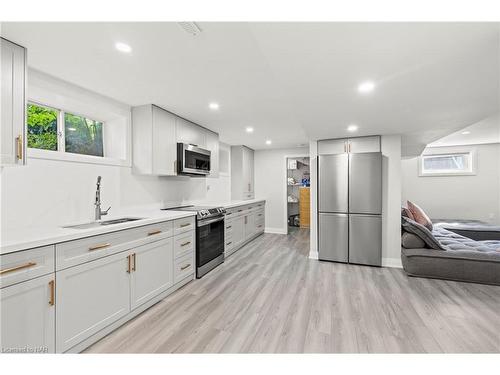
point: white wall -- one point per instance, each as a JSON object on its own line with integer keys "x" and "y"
{"x": 458, "y": 197}
{"x": 391, "y": 199}
{"x": 54, "y": 192}
{"x": 270, "y": 184}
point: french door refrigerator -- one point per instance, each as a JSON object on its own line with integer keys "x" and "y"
{"x": 350, "y": 208}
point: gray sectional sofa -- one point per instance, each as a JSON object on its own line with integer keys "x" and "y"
{"x": 446, "y": 254}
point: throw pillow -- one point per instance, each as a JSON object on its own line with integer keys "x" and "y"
{"x": 412, "y": 241}
{"x": 419, "y": 215}
{"x": 422, "y": 232}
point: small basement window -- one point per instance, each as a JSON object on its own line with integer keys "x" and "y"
{"x": 62, "y": 135}
{"x": 451, "y": 164}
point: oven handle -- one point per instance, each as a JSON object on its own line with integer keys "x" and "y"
{"x": 202, "y": 223}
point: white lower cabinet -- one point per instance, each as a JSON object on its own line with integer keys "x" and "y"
{"x": 28, "y": 316}
{"x": 242, "y": 225}
{"x": 250, "y": 225}
{"x": 151, "y": 271}
{"x": 90, "y": 297}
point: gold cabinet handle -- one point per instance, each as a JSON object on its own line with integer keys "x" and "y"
{"x": 229, "y": 243}
{"x": 17, "y": 268}
{"x": 186, "y": 266}
{"x": 19, "y": 147}
{"x": 133, "y": 263}
{"x": 185, "y": 243}
{"x": 229, "y": 227}
{"x": 129, "y": 263}
{"x": 154, "y": 232}
{"x": 101, "y": 246}
{"x": 52, "y": 288}
{"x": 185, "y": 225}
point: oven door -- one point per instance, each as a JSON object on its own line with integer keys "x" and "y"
{"x": 193, "y": 160}
{"x": 210, "y": 240}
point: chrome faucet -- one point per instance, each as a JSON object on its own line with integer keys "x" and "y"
{"x": 98, "y": 211}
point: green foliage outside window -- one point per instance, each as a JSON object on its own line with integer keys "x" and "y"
{"x": 42, "y": 127}
{"x": 83, "y": 135}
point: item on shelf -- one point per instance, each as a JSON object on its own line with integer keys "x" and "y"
{"x": 306, "y": 182}
{"x": 292, "y": 199}
{"x": 291, "y": 181}
{"x": 294, "y": 220}
{"x": 292, "y": 164}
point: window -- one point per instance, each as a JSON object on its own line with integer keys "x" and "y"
{"x": 42, "y": 127}
{"x": 55, "y": 130}
{"x": 460, "y": 163}
{"x": 83, "y": 135}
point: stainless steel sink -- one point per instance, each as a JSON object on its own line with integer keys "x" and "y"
{"x": 96, "y": 224}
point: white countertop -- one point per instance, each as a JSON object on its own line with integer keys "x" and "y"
{"x": 16, "y": 239}
{"x": 29, "y": 237}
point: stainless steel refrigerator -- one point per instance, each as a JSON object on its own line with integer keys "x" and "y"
{"x": 350, "y": 208}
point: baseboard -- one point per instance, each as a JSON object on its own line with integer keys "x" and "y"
{"x": 313, "y": 255}
{"x": 392, "y": 262}
{"x": 276, "y": 230}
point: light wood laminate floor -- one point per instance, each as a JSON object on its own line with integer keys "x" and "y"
{"x": 270, "y": 298}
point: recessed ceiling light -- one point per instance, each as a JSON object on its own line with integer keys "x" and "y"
{"x": 123, "y": 47}
{"x": 466, "y": 132}
{"x": 213, "y": 106}
{"x": 249, "y": 129}
{"x": 366, "y": 87}
{"x": 268, "y": 142}
{"x": 352, "y": 128}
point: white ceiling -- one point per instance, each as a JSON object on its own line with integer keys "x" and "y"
{"x": 482, "y": 132}
{"x": 290, "y": 81}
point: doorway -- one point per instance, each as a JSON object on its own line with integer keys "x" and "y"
{"x": 298, "y": 194}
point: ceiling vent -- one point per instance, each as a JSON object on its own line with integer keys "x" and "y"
{"x": 190, "y": 27}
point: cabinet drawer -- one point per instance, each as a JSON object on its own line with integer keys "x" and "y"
{"x": 184, "y": 244}
{"x": 183, "y": 225}
{"x": 26, "y": 265}
{"x": 76, "y": 252}
{"x": 183, "y": 267}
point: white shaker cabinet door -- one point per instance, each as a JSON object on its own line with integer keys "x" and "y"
{"x": 152, "y": 271}
{"x": 90, "y": 297}
{"x": 164, "y": 144}
{"x": 190, "y": 133}
{"x": 13, "y": 103}
{"x": 28, "y": 316}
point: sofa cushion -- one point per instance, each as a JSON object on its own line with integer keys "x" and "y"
{"x": 411, "y": 241}
{"x": 419, "y": 215}
{"x": 422, "y": 232}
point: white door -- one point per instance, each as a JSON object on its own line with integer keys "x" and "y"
{"x": 13, "y": 104}
{"x": 164, "y": 144}
{"x": 212, "y": 143}
{"x": 187, "y": 132}
{"x": 152, "y": 271}
{"x": 28, "y": 315}
{"x": 90, "y": 297}
{"x": 250, "y": 228}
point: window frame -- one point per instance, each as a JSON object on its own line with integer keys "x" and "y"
{"x": 470, "y": 171}
{"x": 60, "y": 153}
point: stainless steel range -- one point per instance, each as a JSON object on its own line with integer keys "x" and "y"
{"x": 209, "y": 236}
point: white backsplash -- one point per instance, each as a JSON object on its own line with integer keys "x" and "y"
{"x": 47, "y": 192}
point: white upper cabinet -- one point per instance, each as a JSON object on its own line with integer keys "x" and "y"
{"x": 154, "y": 141}
{"x": 188, "y": 132}
{"x": 351, "y": 145}
{"x": 242, "y": 172}
{"x": 212, "y": 144}
{"x": 332, "y": 146}
{"x": 13, "y": 104}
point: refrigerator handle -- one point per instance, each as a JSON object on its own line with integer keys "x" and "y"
{"x": 345, "y": 146}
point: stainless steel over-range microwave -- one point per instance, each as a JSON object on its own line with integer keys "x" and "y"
{"x": 192, "y": 160}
